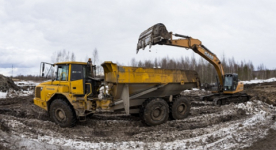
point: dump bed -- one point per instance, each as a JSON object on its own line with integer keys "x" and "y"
{"x": 140, "y": 79}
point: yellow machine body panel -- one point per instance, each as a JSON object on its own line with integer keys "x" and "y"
{"x": 77, "y": 87}
{"x": 125, "y": 74}
{"x": 44, "y": 93}
{"x": 71, "y": 62}
{"x": 37, "y": 99}
{"x": 239, "y": 88}
{"x": 140, "y": 79}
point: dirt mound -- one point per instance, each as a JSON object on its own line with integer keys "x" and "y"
{"x": 6, "y": 83}
{"x": 265, "y": 92}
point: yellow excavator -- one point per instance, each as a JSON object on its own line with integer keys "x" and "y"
{"x": 228, "y": 89}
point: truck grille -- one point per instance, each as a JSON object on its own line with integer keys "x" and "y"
{"x": 37, "y": 92}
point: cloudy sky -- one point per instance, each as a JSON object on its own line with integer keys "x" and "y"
{"x": 32, "y": 31}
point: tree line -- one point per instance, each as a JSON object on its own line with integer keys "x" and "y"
{"x": 206, "y": 71}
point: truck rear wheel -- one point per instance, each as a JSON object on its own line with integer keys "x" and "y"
{"x": 180, "y": 108}
{"x": 62, "y": 113}
{"x": 154, "y": 112}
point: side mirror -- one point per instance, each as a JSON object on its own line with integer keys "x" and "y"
{"x": 43, "y": 67}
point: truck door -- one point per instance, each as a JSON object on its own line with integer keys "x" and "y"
{"x": 61, "y": 81}
{"x": 77, "y": 79}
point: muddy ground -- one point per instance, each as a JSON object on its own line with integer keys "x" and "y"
{"x": 249, "y": 125}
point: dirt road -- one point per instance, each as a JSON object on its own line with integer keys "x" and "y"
{"x": 25, "y": 126}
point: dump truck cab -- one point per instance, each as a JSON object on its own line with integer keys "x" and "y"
{"x": 78, "y": 76}
{"x": 70, "y": 79}
{"x": 73, "y": 79}
{"x": 72, "y": 82}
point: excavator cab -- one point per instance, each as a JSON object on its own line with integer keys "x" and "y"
{"x": 230, "y": 82}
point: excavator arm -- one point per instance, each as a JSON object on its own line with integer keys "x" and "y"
{"x": 158, "y": 34}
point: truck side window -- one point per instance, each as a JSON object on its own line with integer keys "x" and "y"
{"x": 62, "y": 72}
{"x": 77, "y": 72}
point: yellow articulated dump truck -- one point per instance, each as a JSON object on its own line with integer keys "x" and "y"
{"x": 75, "y": 92}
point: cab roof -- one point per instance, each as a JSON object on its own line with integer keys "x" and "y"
{"x": 71, "y": 62}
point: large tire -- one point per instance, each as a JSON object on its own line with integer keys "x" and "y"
{"x": 62, "y": 113}
{"x": 180, "y": 108}
{"x": 154, "y": 112}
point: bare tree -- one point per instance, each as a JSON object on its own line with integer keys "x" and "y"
{"x": 95, "y": 56}
{"x": 140, "y": 64}
{"x": 62, "y": 56}
{"x": 73, "y": 57}
{"x": 133, "y": 62}
{"x": 148, "y": 64}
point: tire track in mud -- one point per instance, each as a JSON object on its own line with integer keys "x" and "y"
{"x": 109, "y": 127}
{"x": 205, "y": 122}
{"x": 22, "y": 107}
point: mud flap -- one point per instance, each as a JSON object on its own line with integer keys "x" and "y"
{"x": 125, "y": 98}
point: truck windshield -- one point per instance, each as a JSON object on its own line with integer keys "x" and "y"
{"x": 62, "y": 72}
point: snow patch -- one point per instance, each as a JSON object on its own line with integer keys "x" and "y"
{"x": 259, "y": 81}
{"x": 3, "y": 94}
{"x": 13, "y": 93}
{"x": 26, "y": 83}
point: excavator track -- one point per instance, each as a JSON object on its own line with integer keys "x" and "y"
{"x": 222, "y": 99}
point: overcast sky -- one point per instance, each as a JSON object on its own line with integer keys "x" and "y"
{"x": 31, "y": 31}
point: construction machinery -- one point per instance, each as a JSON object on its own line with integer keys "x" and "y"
{"x": 228, "y": 89}
{"x": 75, "y": 92}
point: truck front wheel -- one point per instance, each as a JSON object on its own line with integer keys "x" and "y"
{"x": 62, "y": 113}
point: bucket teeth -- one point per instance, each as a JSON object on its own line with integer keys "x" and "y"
{"x": 151, "y": 36}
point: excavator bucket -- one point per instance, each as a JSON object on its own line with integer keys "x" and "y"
{"x": 153, "y": 35}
